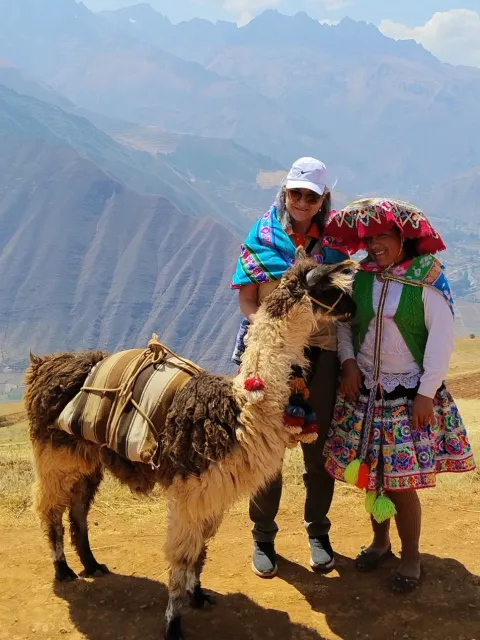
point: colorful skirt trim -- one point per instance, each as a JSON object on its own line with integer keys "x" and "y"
{"x": 399, "y": 456}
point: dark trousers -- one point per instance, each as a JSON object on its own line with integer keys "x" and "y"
{"x": 319, "y": 484}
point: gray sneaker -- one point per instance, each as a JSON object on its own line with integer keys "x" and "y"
{"x": 321, "y": 558}
{"x": 264, "y": 560}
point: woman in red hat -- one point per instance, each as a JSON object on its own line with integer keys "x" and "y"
{"x": 395, "y": 424}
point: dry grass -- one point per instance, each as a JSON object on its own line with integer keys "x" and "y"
{"x": 11, "y": 414}
{"x": 16, "y": 478}
{"x": 16, "y": 474}
{"x": 466, "y": 357}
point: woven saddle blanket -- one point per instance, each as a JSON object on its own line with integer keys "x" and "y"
{"x": 125, "y": 399}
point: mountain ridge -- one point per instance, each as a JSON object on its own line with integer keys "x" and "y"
{"x": 98, "y": 276}
{"x": 136, "y": 168}
{"x": 128, "y": 220}
{"x": 331, "y": 91}
{"x": 298, "y": 29}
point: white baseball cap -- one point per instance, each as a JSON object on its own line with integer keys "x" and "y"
{"x": 307, "y": 173}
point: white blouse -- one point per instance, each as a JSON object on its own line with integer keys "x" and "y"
{"x": 397, "y": 365}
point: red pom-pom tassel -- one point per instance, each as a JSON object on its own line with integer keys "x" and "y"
{"x": 254, "y": 384}
{"x": 293, "y": 421}
{"x": 310, "y": 428}
{"x": 363, "y": 475}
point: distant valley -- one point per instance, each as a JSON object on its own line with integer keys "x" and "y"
{"x": 135, "y": 154}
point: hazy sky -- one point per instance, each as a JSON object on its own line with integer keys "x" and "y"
{"x": 448, "y": 28}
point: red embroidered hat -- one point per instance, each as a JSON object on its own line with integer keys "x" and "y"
{"x": 366, "y": 218}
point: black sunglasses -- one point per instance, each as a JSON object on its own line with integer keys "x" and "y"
{"x": 310, "y": 197}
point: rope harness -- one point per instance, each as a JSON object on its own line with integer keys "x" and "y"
{"x": 329, "y": 308}
{"x": 155, "y": 354}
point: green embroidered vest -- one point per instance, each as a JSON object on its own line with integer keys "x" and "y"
{"x": 409, "y": 317}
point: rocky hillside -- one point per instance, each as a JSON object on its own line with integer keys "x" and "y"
{"x": 87, "y": 260}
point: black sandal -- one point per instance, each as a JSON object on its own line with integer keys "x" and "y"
{"x": 368, "y": 561}
{"x": 403, "y": 584}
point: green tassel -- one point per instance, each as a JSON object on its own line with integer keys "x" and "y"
{"x": 370, "y": 500}
{"x": 383, "y": 509}
{"x": 351, "y": 472}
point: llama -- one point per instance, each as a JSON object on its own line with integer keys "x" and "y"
{"x": 223, "y": 438}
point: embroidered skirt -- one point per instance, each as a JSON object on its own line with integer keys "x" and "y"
{"x": 399, "y": 456}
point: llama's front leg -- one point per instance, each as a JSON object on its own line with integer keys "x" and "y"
{"x": 177, "y": 587}
{"x": 185, "y": 581}
{"x": 198, "y": 597}
{"x": 185, "y": 551}
{"x": 82, "y": 497}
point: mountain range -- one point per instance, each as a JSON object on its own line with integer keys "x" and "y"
{"x": 280, "y": 86}
{"x": 86, "y": 262}
{"x": 136, "y": 153}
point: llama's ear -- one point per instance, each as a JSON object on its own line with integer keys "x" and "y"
{"x": 341, "y": 276}
{"x": 316, "y": 275}
{"x": 338, "y": 275}
{"x": 300, "y": 254}
{"x": 35, "y": 359}
{"x": 346, "y": 265}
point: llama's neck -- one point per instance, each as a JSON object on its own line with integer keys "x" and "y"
{"x": 273, "y": 346}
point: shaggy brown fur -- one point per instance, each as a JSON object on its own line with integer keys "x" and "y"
{"x": 60, "y": 376}
{"x": 219, "y": 441}
{"x": 200, "y": 428}
{"x": 140, "y": 478}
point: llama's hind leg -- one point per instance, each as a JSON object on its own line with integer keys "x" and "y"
{"x": 53, "y": 526}
{"x": 50, "y": 503}
{"x": 59, "y": 466}
{"x": 82, "y": 496}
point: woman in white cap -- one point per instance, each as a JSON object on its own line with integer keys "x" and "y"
{"x": 297, "y": 218}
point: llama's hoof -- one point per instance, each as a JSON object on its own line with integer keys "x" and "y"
{"x": 200, "y": 599}
{"x": 96, "y": 571}
{"x": 63, "y": 573}
{"x": 173, "y": 630}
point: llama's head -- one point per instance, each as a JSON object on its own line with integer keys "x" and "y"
{"x": 324, "y": 290}
{"x": 286, "y": 319}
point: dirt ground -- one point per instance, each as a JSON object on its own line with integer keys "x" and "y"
{"x": 465, "y": 385}
{"x": 128, "y": 535}
{"x": 297, "y": 604}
